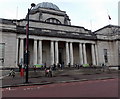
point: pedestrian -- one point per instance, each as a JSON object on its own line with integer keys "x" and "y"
{"x": 34, "y": 67}
{"x": 69, "y": 65}
{"x": 12, "y": 73}
{"x": 48, "y": 72}
{"x": 78, "y": 66}
{"x": 103, "y": 67}
{"x": 22, "y": 72}
{"x": 54, "y": 66}
{"x": 62, "y": 65}
{"x": 44, "y": 65}
{"x": 20, "y": 66}
{"x": 59, "y": 65}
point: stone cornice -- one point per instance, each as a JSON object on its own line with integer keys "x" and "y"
{"x": 55, "y": 33}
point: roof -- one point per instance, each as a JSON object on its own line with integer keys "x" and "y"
{"x": 6, "y": 21}
{"x": 108, "y": 26}
{"x": 47, "y": 5}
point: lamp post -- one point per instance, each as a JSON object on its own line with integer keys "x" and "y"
{"x": 26, "y": 58}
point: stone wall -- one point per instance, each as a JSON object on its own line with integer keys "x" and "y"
{"x": 111, "y": 52}
{"x": 10, "y": 49}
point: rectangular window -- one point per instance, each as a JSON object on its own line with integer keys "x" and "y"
{"x": 105, "y": 56}
{"x": 2, "y": 51}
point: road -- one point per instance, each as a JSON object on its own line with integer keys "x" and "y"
{"x": 93, "y": 88}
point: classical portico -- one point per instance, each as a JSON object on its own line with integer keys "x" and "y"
{"x": 74, "y": 52}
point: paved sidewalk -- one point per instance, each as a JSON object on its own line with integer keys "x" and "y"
{"x": 66, "y": 75}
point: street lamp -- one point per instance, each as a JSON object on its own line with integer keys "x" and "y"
{"x": 27, "y": 43}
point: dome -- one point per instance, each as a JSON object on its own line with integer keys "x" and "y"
{"x": 46, "y": 5}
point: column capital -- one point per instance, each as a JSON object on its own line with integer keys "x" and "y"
{"x": 56, "y": 41}
{"x": 51, "y": 40}
{"x": 80, "y": 43}
{"x": 36, "y": 39}
{"x": 84, "y": 44}
{"x": 92, "y": 44}
{"x": 22, "y": 38}
{"x": 71, "y": 42}
{"x": 67, "y": 42}
{"x": 40, "y": 39}
{"x": 17, "y": 38}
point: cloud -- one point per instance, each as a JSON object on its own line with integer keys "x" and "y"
{"x": 81, "y": 12}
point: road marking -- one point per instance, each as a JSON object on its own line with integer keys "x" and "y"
{"x": 39, "y": 87}
{"x": 13, "y": 89}
{"x": 28, "y": 88}
{"x": 24, "y": 89}
{"x": 8, "y": 89}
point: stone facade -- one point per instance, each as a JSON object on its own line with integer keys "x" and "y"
{"x": 54, "y": 40}
{"x": 108, "y": 38}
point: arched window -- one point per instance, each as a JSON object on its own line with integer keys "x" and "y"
{"x": 53, "y": 20}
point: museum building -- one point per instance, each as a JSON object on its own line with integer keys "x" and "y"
{"x": 53, "y": 40}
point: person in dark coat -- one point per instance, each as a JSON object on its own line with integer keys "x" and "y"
{"x": 20, "y": 66}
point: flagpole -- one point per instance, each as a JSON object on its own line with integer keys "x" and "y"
{"x": 17, "y": 13}
{"x": 91, "y": 24}
{"x": 109, "y": 18}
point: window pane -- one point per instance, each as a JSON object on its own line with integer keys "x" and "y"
{"x": 105, "y": 56}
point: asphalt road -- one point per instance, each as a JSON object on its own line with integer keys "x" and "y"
{"x": 93, "y": 88}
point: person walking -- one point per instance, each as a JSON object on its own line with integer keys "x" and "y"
{"x": 103, "y": 67}
{"x": 12, "y": 73}
{"x": 62, "y": 65}
{"x": 19, "y": 66}
{"x": 69, "y": 65}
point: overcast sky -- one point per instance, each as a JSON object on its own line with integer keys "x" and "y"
{"x": 91, "y": 14}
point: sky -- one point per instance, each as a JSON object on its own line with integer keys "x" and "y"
{"x": 91, "y": 14}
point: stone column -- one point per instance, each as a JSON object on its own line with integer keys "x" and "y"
{"x": 67, "y": 54}
{"x": 52, "y": 52}
{"x": 96, "y": 51}
{"x": 71, "y": 53}
{"x": 35, "y": 52}
{"x": 81, "y": 53}
{"x": 56, "y": 53}
{"x": 84, "y": 53}
{"x": 40, "y": 51}
{"x": 93, "y": 54}
{"x": 21, "y": 53}
{"x": 17, "y": 41}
